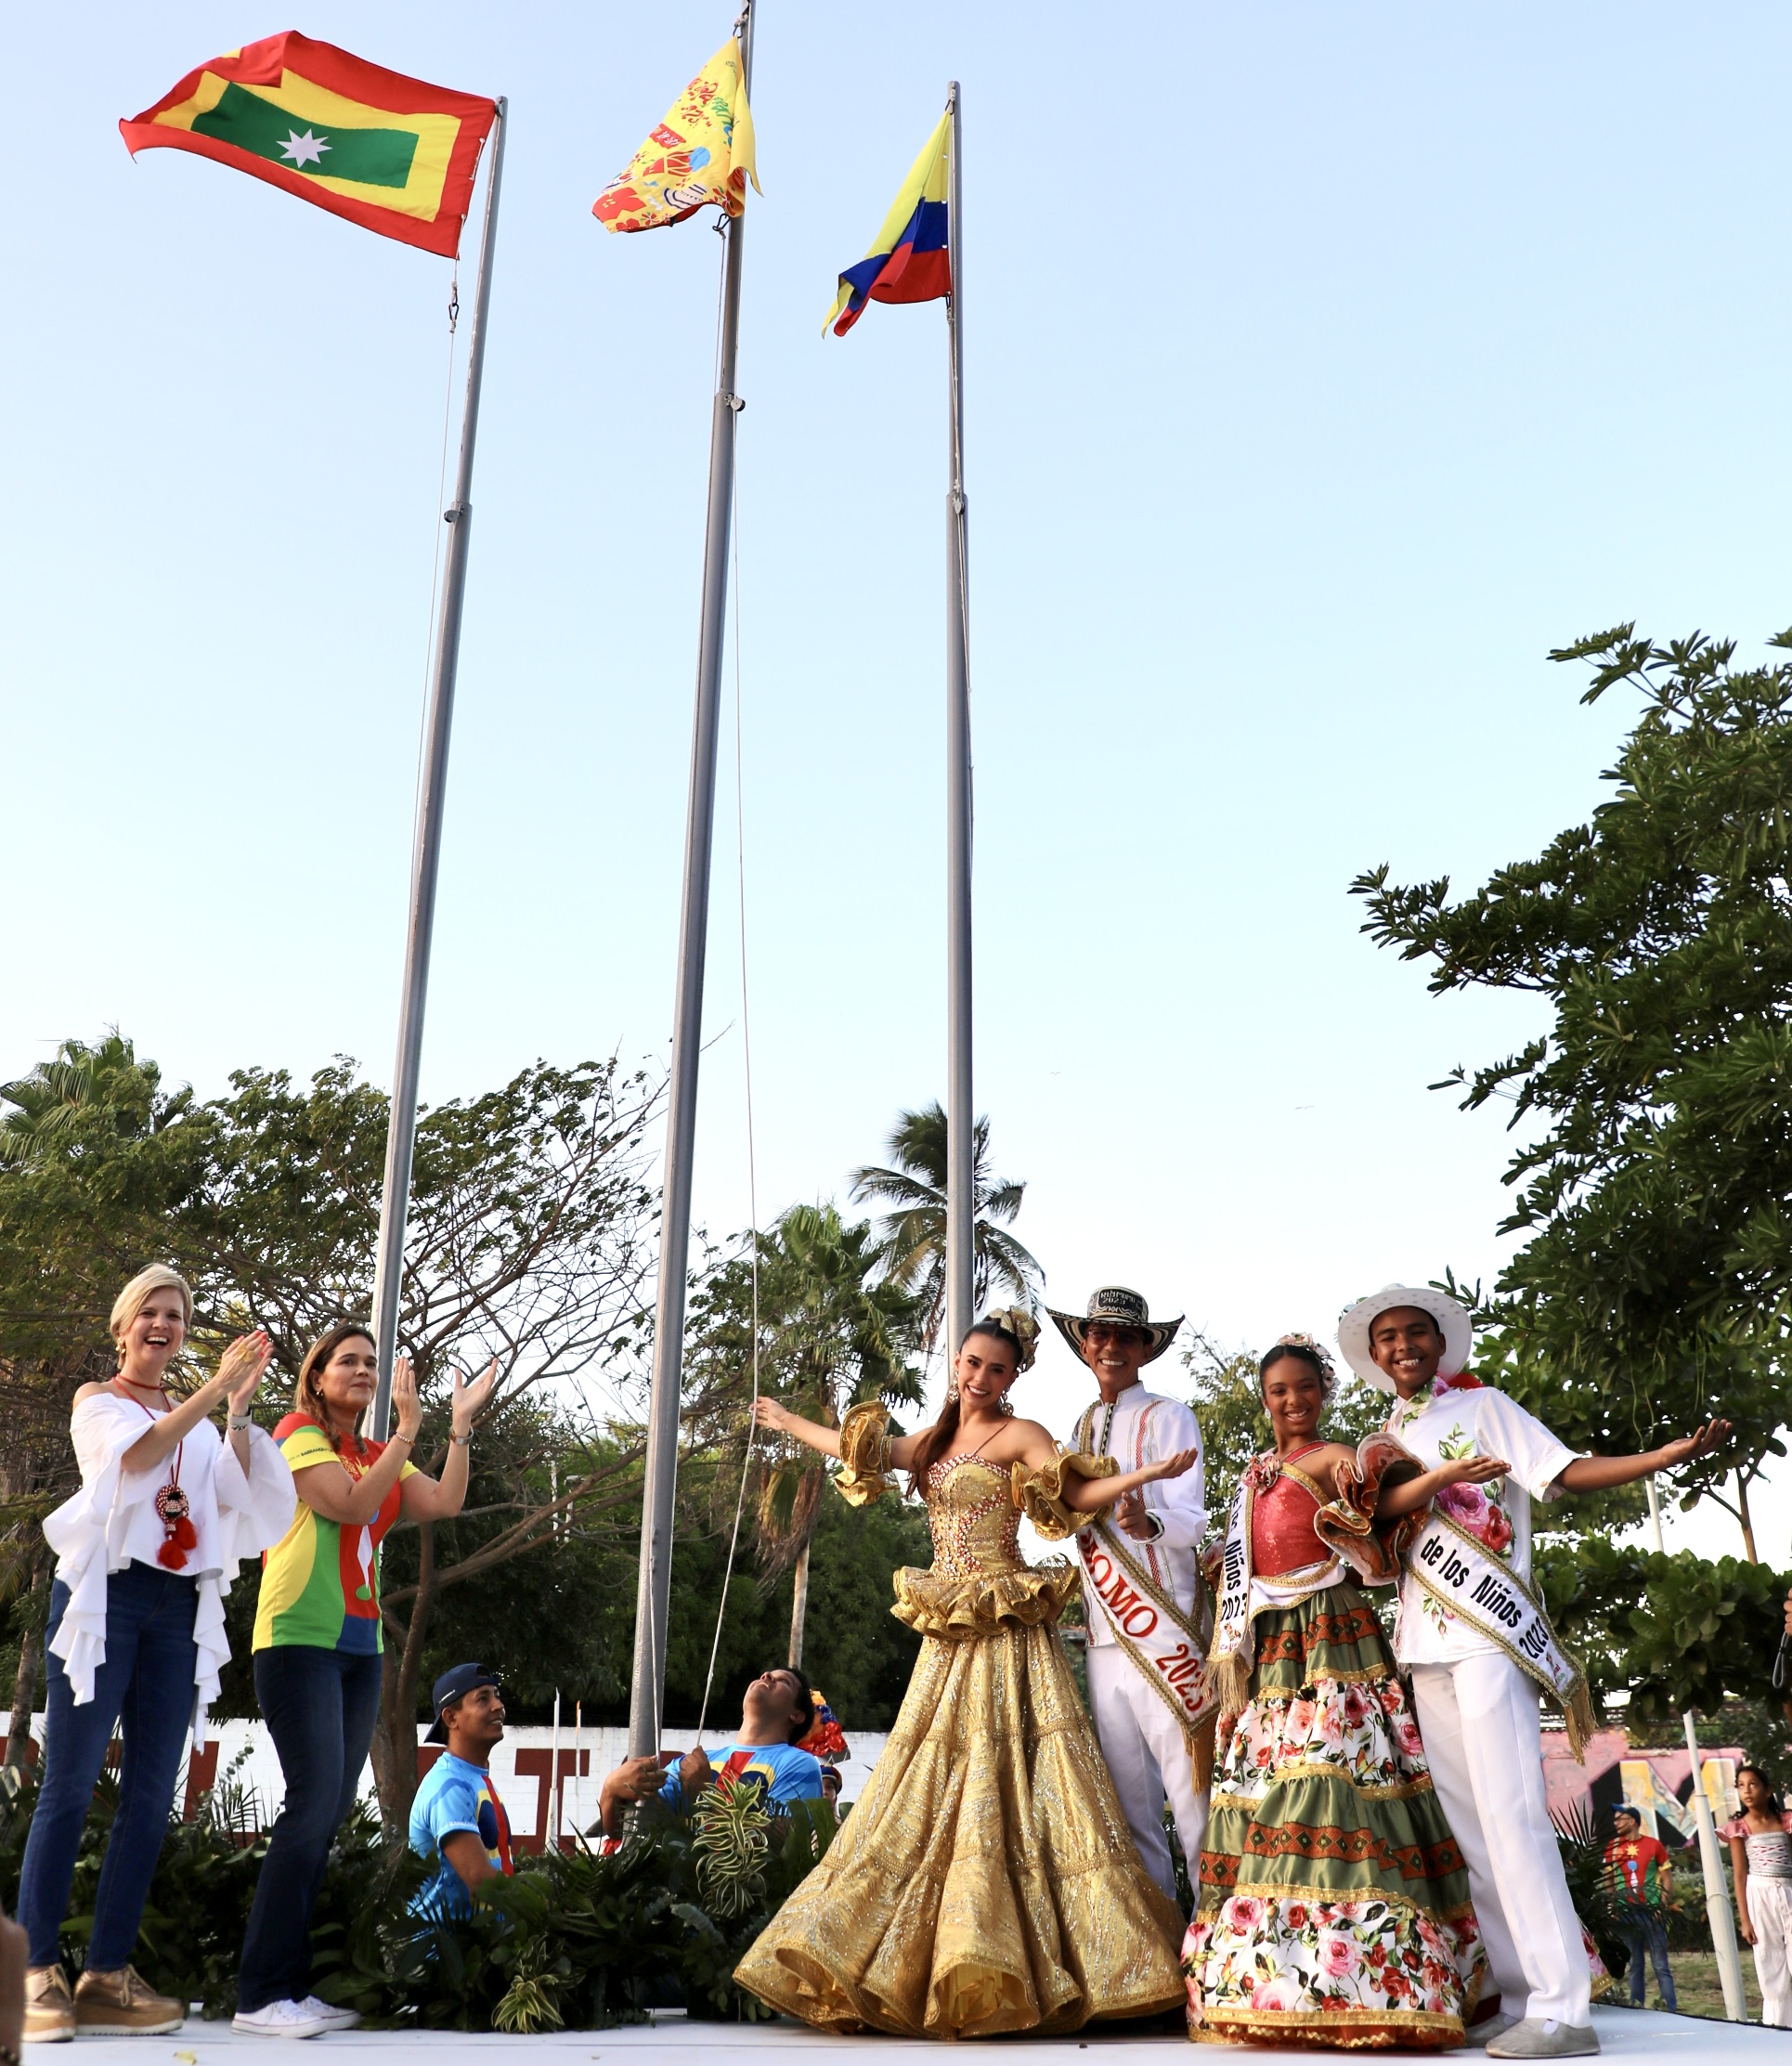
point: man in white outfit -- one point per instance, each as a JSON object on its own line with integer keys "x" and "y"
{"x": 1480, "y": 1649}
{"x": 1141, "y": 1580}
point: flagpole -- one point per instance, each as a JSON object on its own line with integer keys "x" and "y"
{"x": 961, "y": 1204}
{"x": 426, "y": 844}
{"x": 652, "y": 1598}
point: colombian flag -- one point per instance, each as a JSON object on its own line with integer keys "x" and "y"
{"x": 385, "y": 151}
{"x": 908, "y": 261}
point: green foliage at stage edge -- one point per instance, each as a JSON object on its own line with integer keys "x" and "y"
{"x": 573, "y": 1941}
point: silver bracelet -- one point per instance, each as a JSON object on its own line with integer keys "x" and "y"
{"x": 461, "y": 1439}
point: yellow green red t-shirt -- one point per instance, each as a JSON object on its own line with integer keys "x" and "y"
{"x": 321, "y": 1581}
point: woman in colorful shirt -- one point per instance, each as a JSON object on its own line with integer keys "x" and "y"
{"x": 986, "y": 1881}
{"x": 1760, "y": 1852}
{"x": 146, "y": 1550}
{"x": 1333, "y": 1906}
{"x": 318, "y": 1642}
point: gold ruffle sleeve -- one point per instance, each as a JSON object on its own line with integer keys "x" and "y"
{"x": 960, "y": 1609}
{"x": 863, "y": 1475}
{"x": 1348, "y": 1526}
{"x": 1040, "y": 1494}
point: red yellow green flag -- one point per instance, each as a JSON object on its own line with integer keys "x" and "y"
{"x": 702, "y": 152}
{"x": 388, "y": 152}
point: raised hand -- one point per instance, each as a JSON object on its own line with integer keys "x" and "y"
{"x": 1132, "y": 1517}
{"x": 768, "y": 1412}
{"x": 240, "y": 1368}
{"x": 1690, "y": 1447}
{"x": 405, "y": 1401}
{"x": 470, "y": 1400}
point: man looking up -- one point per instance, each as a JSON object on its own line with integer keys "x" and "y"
{"x": 776, "y": 1712}
{"x": 1140, "y": 1586}
{"x": 457, "y": 1821}
{"x": 1480, "y": 1647}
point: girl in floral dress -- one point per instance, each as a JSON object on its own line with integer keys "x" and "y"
{"x": 1333, "y": 1905}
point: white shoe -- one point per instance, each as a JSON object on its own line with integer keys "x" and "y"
{"x": 281, "y": 2019}
{"x": 1479, "y": 2035}
{"x": 1543, "y": 2038}
{"x": 333, "y": 2013}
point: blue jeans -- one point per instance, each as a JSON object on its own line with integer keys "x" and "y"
{"x": 320, "y": 1706}
{"x": 1645, "y": 1935}
{"x": 146, "y": 1683}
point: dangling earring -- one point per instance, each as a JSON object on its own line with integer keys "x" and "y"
{"x": 1004, "y": 1406}
{"x": 952, "y": 1389}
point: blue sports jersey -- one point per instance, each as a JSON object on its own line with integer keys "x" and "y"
{"x": 786, "y": 1773}
{"x": 455, "y": 1795}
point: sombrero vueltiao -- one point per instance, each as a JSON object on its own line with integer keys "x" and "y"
{"x": 1118, "y": 1308}
{"x": 1451, "y": 1315}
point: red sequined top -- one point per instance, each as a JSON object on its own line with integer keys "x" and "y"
{"x": 1281, "y": 1523}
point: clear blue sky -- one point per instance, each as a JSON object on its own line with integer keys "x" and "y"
{"x": 1325, "y": 367}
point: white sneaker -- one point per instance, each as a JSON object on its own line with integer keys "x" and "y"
{"x": 281, "y": 2019}
{"x": 333, "y": 2013}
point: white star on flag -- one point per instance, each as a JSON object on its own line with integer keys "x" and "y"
{"x": 306, "y": 150}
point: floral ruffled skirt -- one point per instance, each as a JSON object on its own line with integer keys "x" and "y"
{"x": 1334, "y": 1905}
{"x": 985, "y": 1880}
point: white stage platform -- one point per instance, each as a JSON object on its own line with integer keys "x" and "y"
{"x": 671, "y": 2041}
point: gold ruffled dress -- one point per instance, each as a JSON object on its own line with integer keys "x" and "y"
{"x": 985, "y": 1880}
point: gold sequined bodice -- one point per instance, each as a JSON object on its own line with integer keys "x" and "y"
{"x": 971, "y": 1512}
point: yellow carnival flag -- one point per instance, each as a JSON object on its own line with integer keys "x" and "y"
{"x": 702, "y": 152}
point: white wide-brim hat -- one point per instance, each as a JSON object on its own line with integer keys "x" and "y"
{"x": 1451, "y": 1313}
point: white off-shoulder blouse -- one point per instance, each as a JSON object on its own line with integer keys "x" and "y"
{"x": 112, "y": 1522}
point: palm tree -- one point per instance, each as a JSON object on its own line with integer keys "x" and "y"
{"x": 915, "y": 1234}
{"x": 838, "y": 1332}
{"x": 49, "y": 1104}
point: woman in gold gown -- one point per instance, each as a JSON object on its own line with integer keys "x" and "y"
{"x": 985, "y": 1880}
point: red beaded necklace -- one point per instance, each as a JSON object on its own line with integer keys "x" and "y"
{"x": 174, "y": 1508}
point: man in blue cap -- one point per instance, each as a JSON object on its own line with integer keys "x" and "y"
{"x": 458, "y": 1824}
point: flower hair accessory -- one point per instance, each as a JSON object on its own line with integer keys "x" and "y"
{"x": 1312, "y": 1347}
{"x": 1018, "y": 1321}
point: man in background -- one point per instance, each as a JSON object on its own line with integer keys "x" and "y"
{"x": 458, "y": 1824}
{"x": 776, "y": 1713}
{"x": 1640, "y": 1876}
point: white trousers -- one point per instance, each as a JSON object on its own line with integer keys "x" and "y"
{"x": 1484, "y": 1739}
{"x": 1147, "y": 1757}
{"x": 1769, "y": 1913}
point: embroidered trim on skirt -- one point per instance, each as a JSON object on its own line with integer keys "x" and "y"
{"x": 1334, "y": 1905}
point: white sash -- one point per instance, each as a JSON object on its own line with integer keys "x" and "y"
{"x": 1484, "y": 1590}
{"x": 1162, "y": 1642}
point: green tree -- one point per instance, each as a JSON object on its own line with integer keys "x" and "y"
{"x": 831, "y": 1330}
{"x": 1654, "y": 1185}
{"x": 915, "y": 1232}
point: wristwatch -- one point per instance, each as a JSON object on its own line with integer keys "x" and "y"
{"x": 461, "y": 1439}
{"x": 238, "y": 1421}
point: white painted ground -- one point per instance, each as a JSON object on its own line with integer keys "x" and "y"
{"x": 671, "y": 2041}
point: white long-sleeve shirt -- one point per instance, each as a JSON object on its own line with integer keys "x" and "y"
{"x": 1145, "y": 1428}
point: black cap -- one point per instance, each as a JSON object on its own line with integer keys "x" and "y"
{"x": 455, "y": 1686}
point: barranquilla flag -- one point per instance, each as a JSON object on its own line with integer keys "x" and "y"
{"x": 388, "y": 152}
{"x": 909, "y": 258}
{"x": 701, "y": 153}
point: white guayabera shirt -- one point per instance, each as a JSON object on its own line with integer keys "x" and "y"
{"x": 1455, "y": 1420}
{"x": 1147, "y": 1427}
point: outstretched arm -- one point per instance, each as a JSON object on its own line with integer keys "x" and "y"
{"x": 1412, "y": 1493}
{"x": 825, "y": 1441}
{"x": 1090, "y": 1495}
{"x": 1593, "y": 1473}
